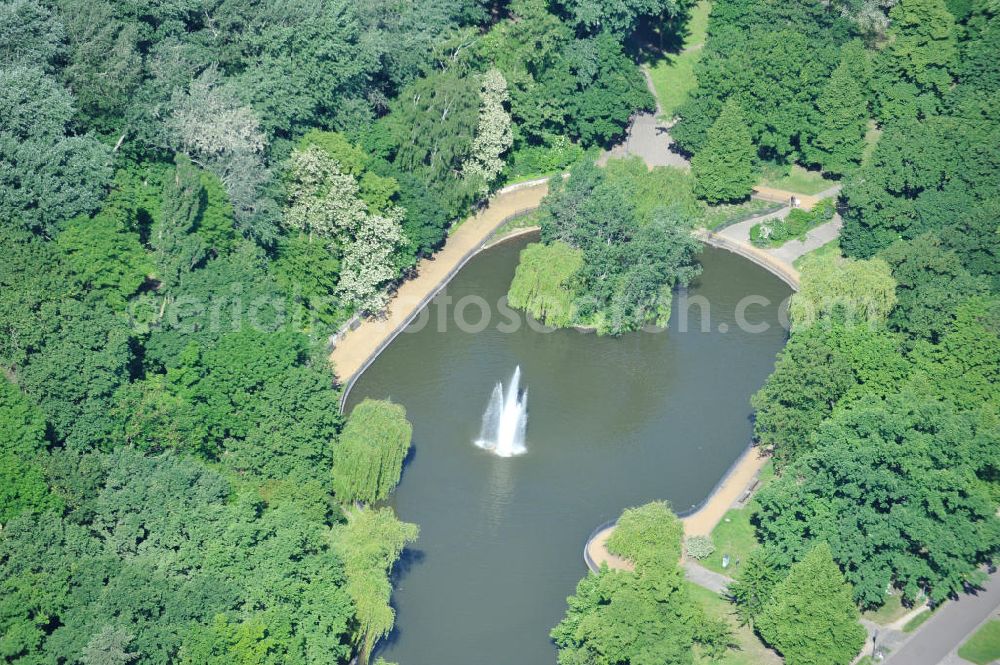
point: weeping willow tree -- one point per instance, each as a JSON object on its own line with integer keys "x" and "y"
{"x": 542, "y": 284}
{"x": 368, "y": 460}
{"x": 369, "y": 543}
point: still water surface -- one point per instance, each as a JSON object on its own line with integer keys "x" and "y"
{"x": 613, "y": 422}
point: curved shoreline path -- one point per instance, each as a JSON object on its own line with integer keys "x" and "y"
{"x": 355, "y": 350}
{"x": 730, "y": 491}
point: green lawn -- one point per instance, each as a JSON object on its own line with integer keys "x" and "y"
{"x": 984, "y": 646}
{"x": 698, "y": 24}
{"x": 917, "y": 621}
{"x": 673, "y": 75}
{"x": 871, "y": 139}
{"x": 751, "y": 650}
{"x": 889, "y": 612}
{"x": 532, "y": 218}
{"x": 832, "y": 247}
{"x": 794, "y": 178}
{"x": 718, "y": 217}
{"x": 734, "y": 534}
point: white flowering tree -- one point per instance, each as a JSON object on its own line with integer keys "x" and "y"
{"x": 325, "y": 203}
{"x": 493, "y": 135}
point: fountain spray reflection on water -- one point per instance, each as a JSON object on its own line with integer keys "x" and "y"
{"x": 505, "y": 420}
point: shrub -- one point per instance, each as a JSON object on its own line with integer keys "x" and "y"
{"x": 775, "y": 232}
{"x": 699, "y": 547}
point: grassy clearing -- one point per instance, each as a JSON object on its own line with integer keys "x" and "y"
{"x": 751, "y": 650}
{"x": 832, "y": 247}
{"x": 673, "y": 80}
{"x": 734, "y": 534}
{"x": 917, "y": 621}
{"x": 794, "y": 178}
{"x": 871, "y": 139}
{"x": 718, "y": 217}
{"x": 889, "y": 612}
{"x": 673, "y": 75}
{"x": 698, "y": 25}
{"x": 984, "y": 646}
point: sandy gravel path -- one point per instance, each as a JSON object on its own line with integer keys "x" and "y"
{"x": 352, "y": 354}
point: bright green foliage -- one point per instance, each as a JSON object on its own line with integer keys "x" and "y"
{"x": 930, "y": 285}
{"x": 644, "y": 616}
{"x": 32, "y": 282}
{"x": 820, "y": 367}
{"x": 215, "y": 225}
{"x": 309, "y": 272}
{"x": 751, "y": 593}
{"x": 224, "y": 295}
{"x": 257, "y": 403}
{"x": 150, "y": 556}
{"x": 798, "y": 222}
{"x": 370, "y": 544}
{"x": 842, "y": 109}
{"x": 543, "y": 282}
{"x": 774, "y": 59}
{"x": 83, "y": 359}
{"x": 812, "y": 619}
{"x": 900, "y": 491}
{"x": 103, "y": 257}
{"x": 177, "y": 250}
{"x": 630, "y": 263}
{"x": 723, "y": 167}
{"x": 368, "y": 459}
{"x": 916, "y": 63}
{"x": 649, "y": 535}
{"x": 23, "y": 487}
{"x": 652, "y": 189}
{"x": 223, "y": 643}
{"x": 856, "y": 292}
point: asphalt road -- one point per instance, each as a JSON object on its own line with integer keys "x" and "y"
{"x": 949, "y": 627}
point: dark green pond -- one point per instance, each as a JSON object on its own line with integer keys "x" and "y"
{"x": 613, "y": 422}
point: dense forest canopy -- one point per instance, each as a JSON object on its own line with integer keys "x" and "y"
{"x": 195, "y": 194}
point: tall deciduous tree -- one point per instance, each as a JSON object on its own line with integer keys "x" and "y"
{"x": 46, "y": 175}
{"x": 177, "y": 250}
{"x": 900, "y": 489}
{"x": 724, "y": 167}
{"x": 493, "y": 135}
{"x": 917, "y": 63}
{"x": 368, "y": 458}
{"x": 812, "y": 619}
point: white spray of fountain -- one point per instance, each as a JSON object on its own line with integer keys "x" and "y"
{"x": 505, "y": 419}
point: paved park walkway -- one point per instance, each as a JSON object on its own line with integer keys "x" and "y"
{"x": 936, "y": 640}
{"x": 647, "y": 137}
{"x": 360, "y": 345}
{"x": 740, "y": 477}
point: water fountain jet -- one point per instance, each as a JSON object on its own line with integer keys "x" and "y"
{"x": 505, "y": 419}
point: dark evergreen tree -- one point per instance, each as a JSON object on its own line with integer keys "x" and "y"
{"x": 724, "y": 167}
